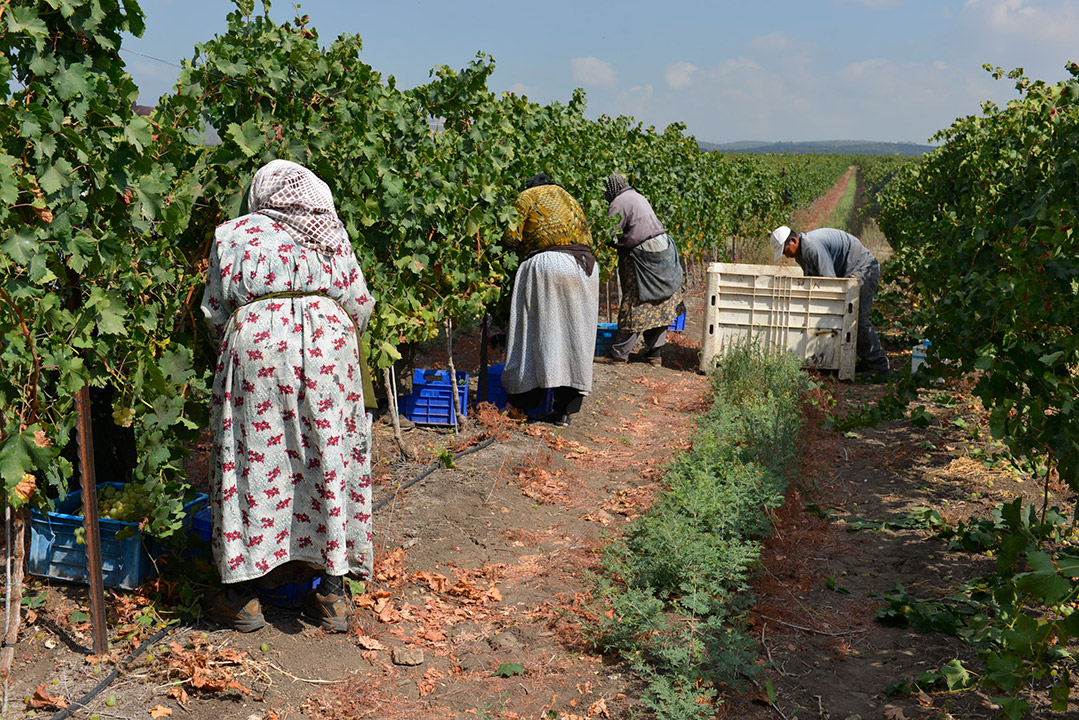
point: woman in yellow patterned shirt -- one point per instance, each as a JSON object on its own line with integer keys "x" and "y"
{"x": 555, "y": 302}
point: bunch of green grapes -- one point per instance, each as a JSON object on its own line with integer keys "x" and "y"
{"x": 126, "y": 505}
{"x": 123, "y": 416}
{"x": 129, "y": 504}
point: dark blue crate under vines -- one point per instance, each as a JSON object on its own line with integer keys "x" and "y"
{"x": 431, "y": 399}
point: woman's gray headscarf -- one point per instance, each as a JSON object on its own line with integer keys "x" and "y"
{"x": 615, "y": 185}
{"x": 298, "y": 199}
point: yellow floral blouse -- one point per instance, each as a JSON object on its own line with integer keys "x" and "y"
{"x": 549, "y": 216}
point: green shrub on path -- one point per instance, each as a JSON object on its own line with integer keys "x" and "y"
{"x": 673, "y": 588}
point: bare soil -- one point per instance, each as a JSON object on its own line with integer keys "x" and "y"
{"x": 486, "y": 564}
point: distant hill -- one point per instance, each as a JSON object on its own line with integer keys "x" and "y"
{"x": 820, "y": 147}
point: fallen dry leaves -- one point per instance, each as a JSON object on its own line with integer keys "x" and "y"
{"x": 634, "y": 501}
{"x": 369, "y": 643}
{"x": 429, "y": 680}
{"x": 204, "y": 669}
{"x": 179, "y": 695}
{"x": 596, "y": 709}
{"x": 42, "y": 700}
{"x": 390, "y": 566}
{"x": 543, "y": 486}
{"x": 435, "y": 581}
{"x": 602, "y": 518}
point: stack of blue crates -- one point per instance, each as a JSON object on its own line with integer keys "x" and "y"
{"x": 679, "y": 323}
{"x": 431, "y": 399}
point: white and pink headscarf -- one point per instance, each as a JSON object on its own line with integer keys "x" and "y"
{"x": 294, "y": 196}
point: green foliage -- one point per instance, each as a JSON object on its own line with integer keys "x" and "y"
{"x": 93, "y": 280}
{"x": 669, "y": 598}
{"x": 986, "y": 234}
{"x": 878, "y": 172}
{"x": 891, "y": 406}
{"x": 506, "y": 670}
{"x": 918, "y": 518}
{"x": 1020, "y": 620}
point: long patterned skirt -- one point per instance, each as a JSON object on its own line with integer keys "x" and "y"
{"x": 552, "y": 333}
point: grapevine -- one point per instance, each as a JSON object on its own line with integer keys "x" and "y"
{"x": 986, "y": 235}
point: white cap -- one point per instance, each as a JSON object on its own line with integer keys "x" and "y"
{"x": 779, "y": 239}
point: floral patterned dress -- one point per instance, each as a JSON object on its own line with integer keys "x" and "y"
{"x": 636, "y": 315}
{"x": 292, "y": 472}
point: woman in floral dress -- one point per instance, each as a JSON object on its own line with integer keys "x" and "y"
{"x": 286, "y": 300}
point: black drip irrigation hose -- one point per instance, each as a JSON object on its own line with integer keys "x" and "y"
{"x": 81, "y": 702}
{"x": 100, "y": 687}
{"x": 430, "y": 469}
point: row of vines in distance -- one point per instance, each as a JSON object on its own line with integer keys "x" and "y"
{"x": 106, "y": 216}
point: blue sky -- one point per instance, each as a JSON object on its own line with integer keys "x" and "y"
{"x": 773, "y": 70}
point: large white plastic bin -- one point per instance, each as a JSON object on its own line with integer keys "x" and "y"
{"x": 815, "y": 318}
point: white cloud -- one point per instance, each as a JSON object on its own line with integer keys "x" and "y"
{"x": 741, "y": 92}
{"x": 756, "y": 88}
{"x": 523, "y": 90}
{"x": 909, "y": 90}
{"x": 773, "y": 43}
{"x": 1053, "y": 21}
{"x": 871, "y": 3}
{"x": 799, "y": 96}
{"x": 868, "y": 70}
{"x": 680, "y": 75}
{"x": 636, "y": 101}
{"x": 593, "y": 71}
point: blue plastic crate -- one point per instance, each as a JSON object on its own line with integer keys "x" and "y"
{"x": 286, "y": 595}
{"x": 203, "y": 524}
{"x": 679, "y": 323}
{"x": 497, "y": 396}
{"x": 605, "y": 338}
{"x": 125, "y": 562}
{"x": 431, "y": 399}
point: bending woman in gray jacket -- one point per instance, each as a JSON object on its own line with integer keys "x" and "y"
{"x": 650, "y": 273}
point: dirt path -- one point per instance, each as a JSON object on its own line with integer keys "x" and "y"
{"x": 818, "y": 213}
{"x": 484, "y": 566}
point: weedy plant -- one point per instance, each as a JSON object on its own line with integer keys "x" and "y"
{"x": 670, "y": 597}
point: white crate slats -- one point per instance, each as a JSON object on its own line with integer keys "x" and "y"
{"x": 816, "y": 318}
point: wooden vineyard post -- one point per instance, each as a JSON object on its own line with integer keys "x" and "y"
{"x": 89, "y": 513}
{"x": 391, "y": 392}
{"x": 17, "y": 552}
{"x": 458, "y": 417}
{"x": 481, "y": 381}
{"x": 607, "y": 288}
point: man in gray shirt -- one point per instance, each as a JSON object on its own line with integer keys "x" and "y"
{"x": 828, "y": 252}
